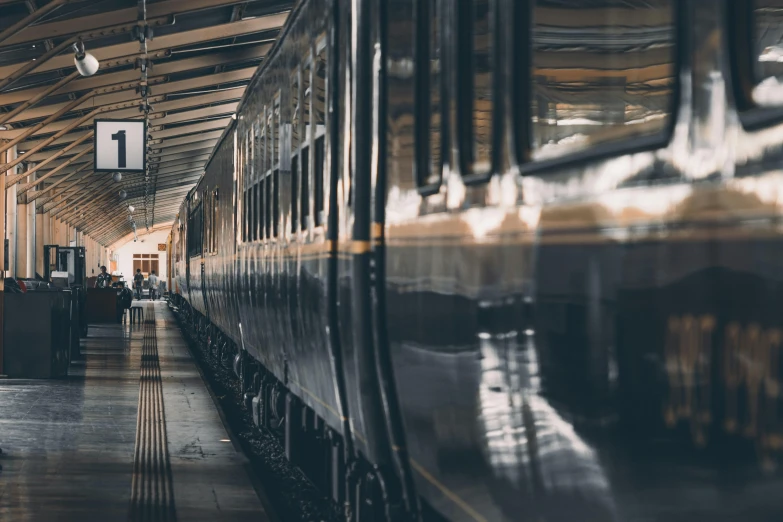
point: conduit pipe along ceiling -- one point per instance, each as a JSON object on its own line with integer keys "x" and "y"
{"x": 182, "y": 65}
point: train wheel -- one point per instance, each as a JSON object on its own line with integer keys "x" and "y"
{"x": 370, "y": 504}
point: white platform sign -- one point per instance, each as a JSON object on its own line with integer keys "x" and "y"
{"x": 120, "y": 145}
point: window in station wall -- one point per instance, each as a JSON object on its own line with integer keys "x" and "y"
{"x": 147, "y": 263}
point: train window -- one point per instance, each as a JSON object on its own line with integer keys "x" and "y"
{"x": 207, "y": 223}
{"x": 429, "y": 107}
{"x": 767, "y": 52}
{"x": 295, "y": 131}
{"x": 319, "y": 115}
{"x": 252, "y": 232}
{"x": 294, "y": 193}
{"x": 276, "y": 124}
{"x": 295, "y": 111}
{"x": 211, "y": 199}
{"x": 318, "y": 177}
{"x": 215, "y": 220}
{"x": 305, "y": 194}
{"x": 195, "y": 231}
{"x": 257, "y": 211}
{"x": 600, "y": 71}
{"x": 307, "y": 101}
{"x": 475, "y": 87}
{"x": 267, "y": 206}
{"x": 319, "y": 84}
{"x": 276, "y": 203}
{"x": 242, "y": 148}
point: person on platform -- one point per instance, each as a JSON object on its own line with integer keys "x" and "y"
{"x": 153, "y": 283}
{"x": 138, "y": 281}
{"x": 104, "y": 279}
{"x": 124, "y": 300}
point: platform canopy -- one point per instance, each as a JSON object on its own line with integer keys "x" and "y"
{"x": 185, "y": 79}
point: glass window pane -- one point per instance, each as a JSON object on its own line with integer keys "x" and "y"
{"x": 601, "y": 71}
{"x": 276, "y": 134}
{"x": 768, "y": 51}
{"x": 482, "y": 78}
{"x": 429, "y": 104}
{"x": 305, "y": 202}
{"x": 319, "y": 91}
{"x": 294, "y": 193}
{"x": 295, "y": 110}
{"x": 276, "y": 203}
{"x": 318, "y": 177}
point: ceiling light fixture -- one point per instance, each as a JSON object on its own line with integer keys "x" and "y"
{"x": 85, "y": 63}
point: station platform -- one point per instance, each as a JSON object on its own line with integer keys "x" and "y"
{"x": 131, "y": 434}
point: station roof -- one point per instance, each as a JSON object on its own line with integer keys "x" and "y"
{"x": 202, "y": 55}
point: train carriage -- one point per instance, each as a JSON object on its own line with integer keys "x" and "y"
{"x": 506, "y": 260}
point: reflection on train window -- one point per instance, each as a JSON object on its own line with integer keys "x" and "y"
{"x": 257, "y": 211}
{"x": 318, "y": 97}
{"x": 294, "y": 193}
{"x": 319, "y": 81}
{"x": 267, "y": 206}
{"x": 768, "y": 52}
{"x": 429, "y": 106}
{"x": 276, "y": 124}
{"x": 276, "y": 203}
{"x": 307, "y": 100}
{"x": 207, "y": 222}
{"x": 476, "y": 90}
{"x": 305, "y": 192}
{"x": 601, "y": 71}
{"x": 195, "y": 231}
{"x": 295, "y": 109}
{"x": 212, "y": 241}
{"x": 295, "y": 131}
{"x": 245, "y": 222}
{"x": 318, "y": 176}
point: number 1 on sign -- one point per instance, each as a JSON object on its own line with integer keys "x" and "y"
{"x": 119, "y": 136}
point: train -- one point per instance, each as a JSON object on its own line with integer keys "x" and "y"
{"x": 495, "y": 260}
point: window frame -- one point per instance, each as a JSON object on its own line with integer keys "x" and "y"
{"x": 519, "y": 82}
{"x": 464, "y": 92}
{"x": 321, "y": 132}
{"x": 423, "y": 96}
{"x": 740, "y": 35}
{"x": 193, "y": 241}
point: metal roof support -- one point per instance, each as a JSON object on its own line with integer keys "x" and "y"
{"x": 38, "y": 193}
{"x": 38, "y": 166}
{"x": 29, "y": 66}
{"x": 73, "y": 188}
{"x": 200, "y": 150}
{"x": 31, "y": 18}
{"x": 35, "y": 99}
{"x": 160, "y": 69}
{"x": 27, "y": 186}
{"x": 88, "y": 222}
{"x": 176, "y": 142}
{"x": 213, "y": 110}
{"x": 190, "y": 129}
{"x": 63, "y": 28}
{"x": 49, "y": 59}
{"x": 24, "y": 188}
{"x": 35, "y": 128}
{"x": 100, "y": 227}
{"x": 204, "y": 34}
{"x": 71, "y": 207}
{"x": 41, "y": 144}
{"x": 190, "y": 159}
{"x": 239, "y": 75}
